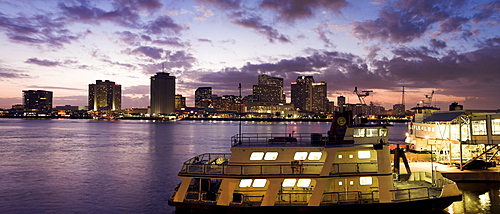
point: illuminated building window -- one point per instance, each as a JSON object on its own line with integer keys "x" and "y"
{"x": 289, "y": 182}
{"x": 364, "y": 154}
{"x": 371, "y": 132}
{"x": 314, "y": 156}
{"x": 245, "y": 183}
{"x": 359, "y": 133}
{"x": 259, "y": 183}
{"x": 365, "y": 180}
{"x": 305, "y": 182}
{"x": 256, "y": 155}
{"x": 300, "y": 156}
{"x": 271, "y": 156}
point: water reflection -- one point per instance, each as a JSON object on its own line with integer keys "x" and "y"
{"x": 478, "y": 198}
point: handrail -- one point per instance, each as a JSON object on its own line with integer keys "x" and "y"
{"x": 256, "y": 170}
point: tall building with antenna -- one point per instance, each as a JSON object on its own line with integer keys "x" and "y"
{"x": 162, "y": 94}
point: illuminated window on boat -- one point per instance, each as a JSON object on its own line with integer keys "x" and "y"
{"x": 314, "y": 156}
{"x": 300, "y": 156}
{"x": 340, "y": 183}
{"x": 259, "y": 183}
{"x": 351, "y": 183}
{"x": 245, "y": 183}
{"x": 359, "y": 133}
{"x": 339, "y": 156}
{"x": 271, "y": 156}
{"x": 365, "y": 180}
{"x": 371, "y": 132}
{"x": 479, "y": 127}
{"x": 256, "y": 155}
{"x": 383, "y": 132}
{"x": 289, "y": 182}
{"x": 304, "y": 182}
{"x": 351, "y": 156}
{"x": 495, "y": 126}
{"x": 364, "y": 154}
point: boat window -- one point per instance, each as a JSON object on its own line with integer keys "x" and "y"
{"x": 256, "y": 155}
{"x": 314, "y": 156}
{"x": 383, "y": 132}
{"x": 340, "y": 183}
{"x": 359, "y": 133}
{"x": 271, "y": 156}
{"x": 351, "y": 156}
{"x": 289, "y": 182}
{"x": 479, "y": 127}
{"x": 339, "y": 156}
{"x": 304, "y": 182}
{"x": 259, "y": 183}
{"x": 364, "y": 154}
{"x": 365, "y": 180}
{"x": 300, "y": 156}
{"x": 245, "y": 183}
{"x": 351, "y": 183}
{"x": 371, "y": 132}
{"x": 495, "y": 126}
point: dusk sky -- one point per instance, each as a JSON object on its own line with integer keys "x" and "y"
{"x": 451, "y": 47}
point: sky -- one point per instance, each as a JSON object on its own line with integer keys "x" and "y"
{"x": 450, "y": 47}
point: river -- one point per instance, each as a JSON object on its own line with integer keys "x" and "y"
{"x": 129, "y": 166}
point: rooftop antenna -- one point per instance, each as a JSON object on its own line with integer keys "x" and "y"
{"x": 163, "y": 67}
{"x": 403, "y": 97}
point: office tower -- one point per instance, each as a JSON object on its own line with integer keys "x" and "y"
{"x": 269, "y": 89}
{"x": 319, "y": 98}
{"x": 302, "y": 93}
{"x": 180, "y": 102}
{"x": 162, "y": 94}
{"x": 105, "y": 96}
{"x": 203, "y": 97}
{"x": 37, "y": 102}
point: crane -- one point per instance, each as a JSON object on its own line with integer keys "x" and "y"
{"x": 361, "y": 96}
{"x": 429, "y": 99}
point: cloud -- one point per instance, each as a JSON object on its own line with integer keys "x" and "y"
{"x": 222, "y": 4}
{"x": 44, "y": 62}
{"x": 206, "y": 13}
{"x": 38, "y": 30}
{"x": 56, "y": 88}
{"x": 163, "y": 24}
{"x": 9, "y": 73}
{"x": 256, "y": 23}
{"x": 155, "y": 53}
{"x": 292, "y": 10}
{"x": 407, "y": 20}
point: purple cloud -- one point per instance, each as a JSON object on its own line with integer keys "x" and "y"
{"x": 155, "y": 53}
{"x": 291, "y": 10}
{"x": 163, "y": 24}
{"x": 256, "y": 23}
{"x": 222, "y": 4}
{"x": 43, "y": 62}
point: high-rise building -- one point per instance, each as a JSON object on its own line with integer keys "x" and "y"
{"x": 180, "y": 102}
{"x": 319, "y": 98}
{"x": 269, "y": 89}
{"x": 105, "y": 96}
{"x": 162, "y": 94}
{"x": 203, "y": 97}
{"x": 341, "y": 101}
{"x": 37, "y": 102}
{"x": 302, "y": 93}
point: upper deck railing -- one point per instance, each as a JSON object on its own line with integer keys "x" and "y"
{"x": 282, "y": 139}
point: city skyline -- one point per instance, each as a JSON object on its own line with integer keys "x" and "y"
{"x": 450, "y": 47}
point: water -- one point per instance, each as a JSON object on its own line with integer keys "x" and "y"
{"x": 86, "y": 166}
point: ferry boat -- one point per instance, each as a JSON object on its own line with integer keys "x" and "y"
{"x": 348, "y": 169}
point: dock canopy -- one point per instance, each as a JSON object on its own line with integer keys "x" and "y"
{"x": 443, "y": 116}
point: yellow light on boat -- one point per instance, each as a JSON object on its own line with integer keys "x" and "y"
{"x": 256, "y": 155}
{"x": 289, "y": 182}
{"x": 314, "y": 156}
{"x": 259, "y": 183}
{"x": 300, "y": 156}
{"x": 245, "y": 183}
{"x": 364, "y": 154}
{"x": 304, "y": 182}
{"x": 271, "y": 156}
{"x": 365, "y": 180}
